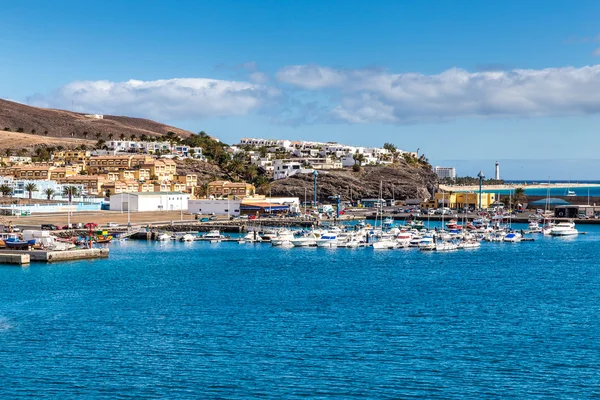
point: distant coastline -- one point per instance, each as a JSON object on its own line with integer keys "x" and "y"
{"x": 509, "y": 186}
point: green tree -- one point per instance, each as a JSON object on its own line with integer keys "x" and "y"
{"x": 33, "y": 131}
{"x": 30, "y": 188}
{"x": 110, "y": 136}
{"x": 49, "y": 193}
{"x": 5, "y": 190}
{"x": 122, "y": 136}
{"x": 85, "y": 134}
{"x": 8, "y": 152}
{"x": 71, "y": 191}
{"x": 98, "y": 135}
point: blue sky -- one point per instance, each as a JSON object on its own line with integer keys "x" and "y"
{"x": 470, "y": 81}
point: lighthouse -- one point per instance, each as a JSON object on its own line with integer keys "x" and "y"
{"x": 497, "y": 175}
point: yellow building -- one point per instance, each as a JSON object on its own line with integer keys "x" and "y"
{"x": 230, "y": 189}
{"x": 71, "y": 157}
{"x": 146, "y": 187}
{"x": 463, "y": 200}
{"x": 98, "y": 164}
{"x": 142, "y": 174}
{"x": 177, "y": 187}
{"x": 92, "y": 183}
{"x": 127, "y": 175}
{"x": 190, "y": 180}
{"x": 41, "y": 172}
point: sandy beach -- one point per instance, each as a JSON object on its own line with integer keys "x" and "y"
{"x": 468, "y": 188}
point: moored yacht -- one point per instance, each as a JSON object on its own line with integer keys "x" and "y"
{"x": 564, "y": 229}
{"x": 327, "y": 239}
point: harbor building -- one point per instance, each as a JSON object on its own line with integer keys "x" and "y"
{"x": 149, "y": 201}
{"x": 463, "y": 200}
{"x": 213, "y": 206}
{"x": 445, "y": 172}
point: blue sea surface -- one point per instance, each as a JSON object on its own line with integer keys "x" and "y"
{"x": 223, "y": 320}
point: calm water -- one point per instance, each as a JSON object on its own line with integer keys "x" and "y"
{"x": 193, "y": 320}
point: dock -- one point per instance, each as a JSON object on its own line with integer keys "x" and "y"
{"x": 24, "y": 257}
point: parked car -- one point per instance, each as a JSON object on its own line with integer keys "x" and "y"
{"x": 112, "y": 225}
{"x": 50, "y": 227}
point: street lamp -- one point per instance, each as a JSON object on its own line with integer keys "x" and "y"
{"x": 481, "y": 178}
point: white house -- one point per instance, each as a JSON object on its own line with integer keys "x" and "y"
{"x": 213, "y": 206}
{"x": 149, "y": 201}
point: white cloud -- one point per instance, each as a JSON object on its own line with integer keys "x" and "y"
{"x": 377, "y": 96}
{"x": 311, "y": 76}
{"x": 259, "y": 77}
{"x": 181, "y": 98}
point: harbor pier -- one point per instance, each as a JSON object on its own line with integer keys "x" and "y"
{"x": 22, "y": 257}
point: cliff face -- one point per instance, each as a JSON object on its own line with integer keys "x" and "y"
{"x": 401, "y": 181}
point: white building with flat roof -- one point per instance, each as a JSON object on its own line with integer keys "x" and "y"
{"x": 214, "y": 206}
{"x": 149, "y": 201}
{"x": 445, "y": 172}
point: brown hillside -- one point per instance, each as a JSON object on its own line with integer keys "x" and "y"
{"x": 67, "y": 124}
{"x": 17, "y": 141}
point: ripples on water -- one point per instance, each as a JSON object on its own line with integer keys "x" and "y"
{"x": 196, "y": 320}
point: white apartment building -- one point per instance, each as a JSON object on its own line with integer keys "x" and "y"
{"x": 18, "y": 188}
{"x": 288, "y": 167}
{"x": 153, "y": 147}
{"x": 445, "y": 172}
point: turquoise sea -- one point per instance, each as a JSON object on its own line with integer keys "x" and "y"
{"x": 202, "y": 320}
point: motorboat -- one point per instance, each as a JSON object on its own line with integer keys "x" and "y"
{"x": 445, "y": 246}
{"x": 283, "y": 238}
{"x": 426, "y": 244}
{"x": 452, "y": 225}
{"x": 385, "y": 243}
{"x": 213, "y": 236}
{"x": 187, "y": 238}
{"x": 250, "y": 237}
{"x": 308, "y": 240}
{"x": 564, "y": 229}
{"x": 388, "y": 222}
{"x": 163, "y": 237}
{"x": 328, "y": 239}
{"x": 469, "y": 244}
{"x": 571, "y": 193}
{"x": 534, "y": 227}
{"x": 512, "y": 237}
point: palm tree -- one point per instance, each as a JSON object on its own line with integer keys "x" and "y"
{"x": 49, "y": 193}
{"x": 520, "y": 196}
{"x": 5, "y": 190}
{"x": 31, "y": 187}
{"x": 71, "y": 191}
{"x": 110, "y": 136}
{"x": 8, "y": 152}
{"x": 85, "y": 134}
{"x": 98, "y": 134}
{"x": 122, "y": 136}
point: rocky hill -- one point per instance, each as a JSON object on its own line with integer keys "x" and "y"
{"x": 400, "y": 181}
{"x": 45, "y": 122}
